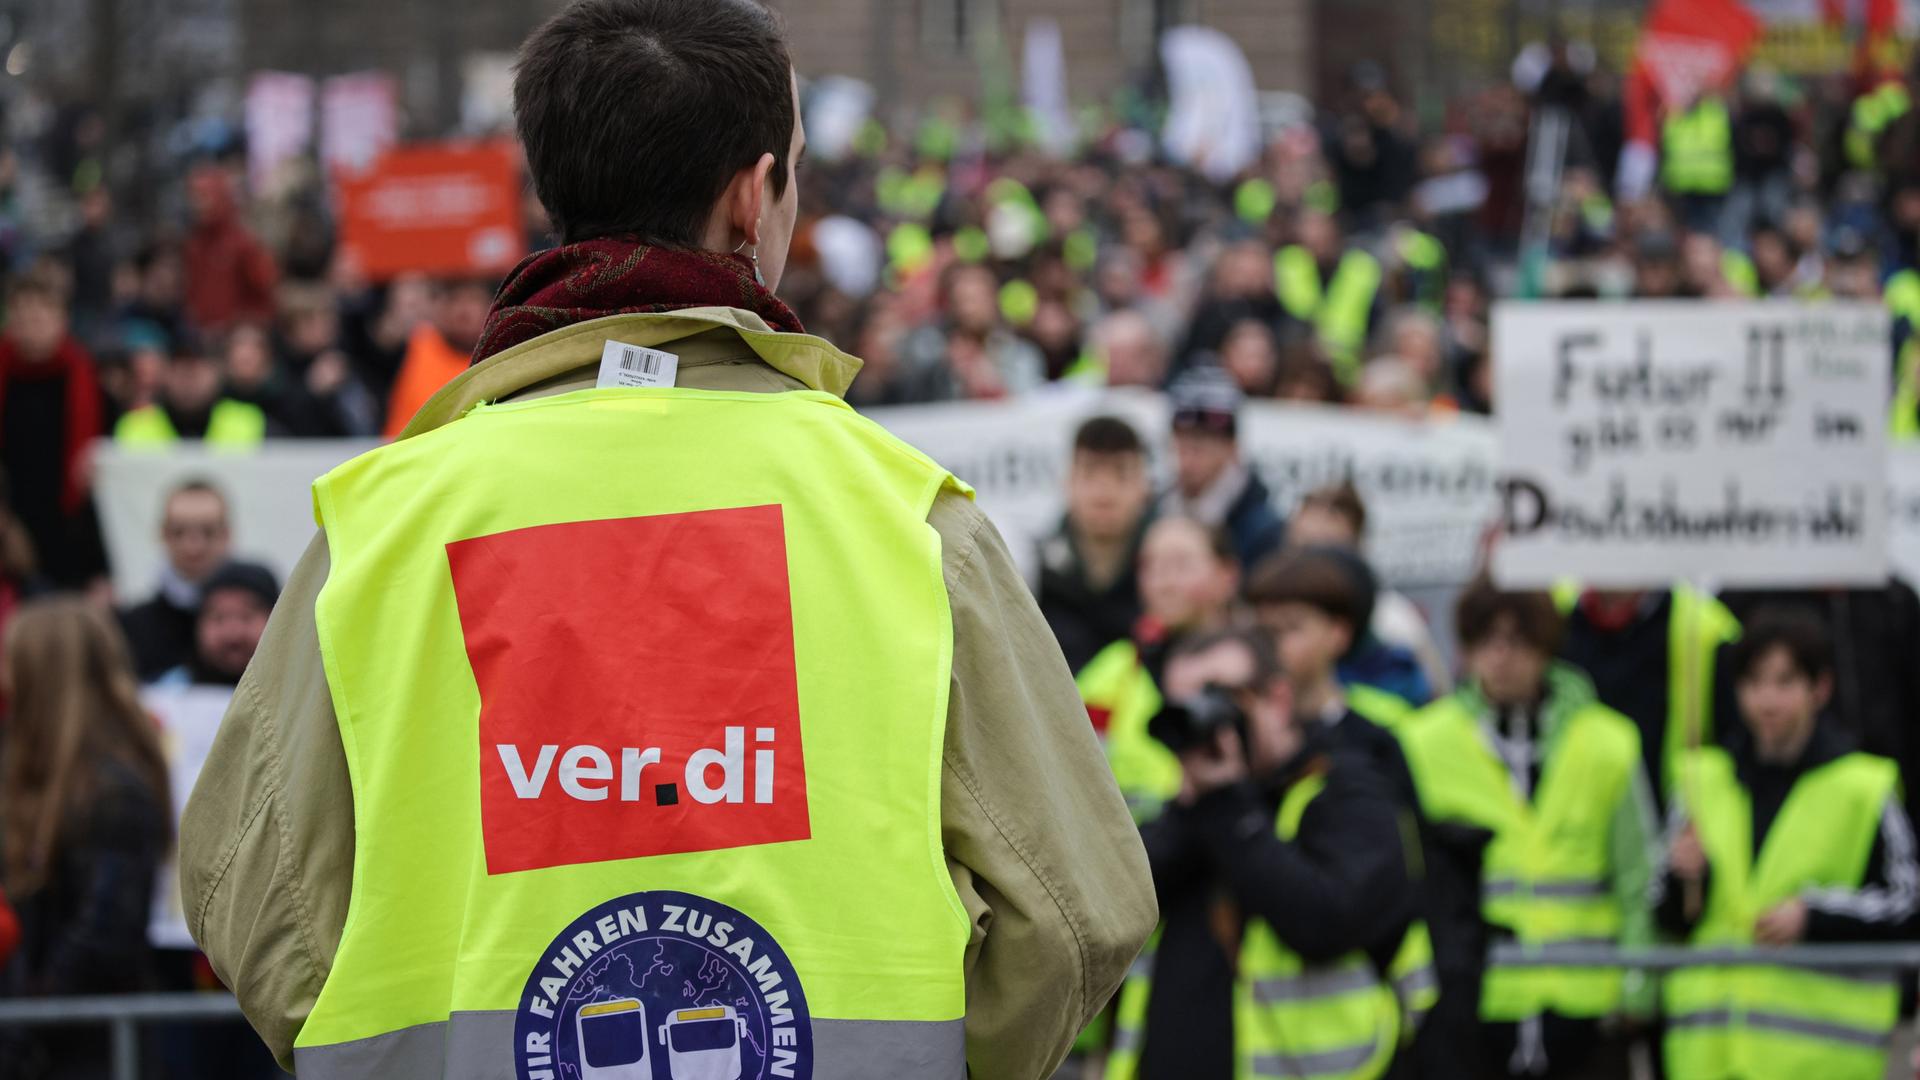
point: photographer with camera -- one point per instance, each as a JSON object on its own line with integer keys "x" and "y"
{"x": 1284, "y": 883}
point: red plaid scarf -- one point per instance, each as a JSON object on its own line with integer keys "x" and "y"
{"x": 620, "y": 276}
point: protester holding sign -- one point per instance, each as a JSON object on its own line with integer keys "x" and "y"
{"x": 1790, "y": 835}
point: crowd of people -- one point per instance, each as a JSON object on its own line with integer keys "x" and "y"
{"x": 1617, "y": 768}
{"x": 1620, "y": 768}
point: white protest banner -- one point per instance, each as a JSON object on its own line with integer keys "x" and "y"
{"x": 269, "y": 501}
{"x": 1728, "y": 444}
{"x": 189, "y": 717}
{"x": 1429, "y": 485}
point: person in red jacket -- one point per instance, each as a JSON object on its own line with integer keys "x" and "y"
{"x": 230, "y": 276}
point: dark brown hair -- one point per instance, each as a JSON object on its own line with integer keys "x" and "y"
{"x": 75, "y": 713}
{"x": 636, "y": 114}
{"x": 1801, "y": 633}
{"x": 1316, "y": 577}
{"x": 1107, "y": 435}
{"x": 1482, "y": 606}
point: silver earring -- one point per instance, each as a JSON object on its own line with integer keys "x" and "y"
{"x": 761, "y": 281}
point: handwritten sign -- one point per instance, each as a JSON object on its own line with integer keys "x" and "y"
{"x": 1726, "y": 444}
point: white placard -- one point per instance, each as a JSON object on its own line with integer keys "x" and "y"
{"x": 189, "y": 718}
{"x": 1728, "y": 444}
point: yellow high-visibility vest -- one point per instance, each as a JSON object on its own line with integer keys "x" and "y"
{"x": 1696, "y": 150}
{"x": 1776, "y": 1023}
{"x": 1338, "y": 312}
{"x": 1340, "y": 1020}
{"x": 642, "y": 694}
{"x": 1546, "y": 871}
{"x": 232, "y": 425}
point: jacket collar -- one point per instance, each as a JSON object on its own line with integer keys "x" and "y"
{"x": 1568, "y": 690}
{"x": 699, "y": 336}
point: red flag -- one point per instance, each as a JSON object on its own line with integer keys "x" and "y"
{"x": 1690, "y": 46}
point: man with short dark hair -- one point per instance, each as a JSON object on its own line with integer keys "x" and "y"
{"x": 196, "y": 533}
{"x": 1089, "y": 586}
{"x": 641, "y": 649}
{"x": 1788, "y": 835}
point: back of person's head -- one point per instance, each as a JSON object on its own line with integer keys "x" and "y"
{"x": 637, "y": 114}
{"x": 1800, "y": 634}
{"x": 1483, "y": 609}
{"x": 74, "y": 710}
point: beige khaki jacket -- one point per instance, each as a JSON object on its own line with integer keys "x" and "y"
{"x": 1040, "y": 846}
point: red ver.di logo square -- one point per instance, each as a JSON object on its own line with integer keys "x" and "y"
{"x": 637, "y": 690}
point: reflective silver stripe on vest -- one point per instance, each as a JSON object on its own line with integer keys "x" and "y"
{"x": 1856, "y": 975}
{"x": 1142, "y": 966}
{"x": 1546, "y": 888}
{"x": 1416, "y": 982}
{"x": 1324, "y": 1063}
{"x": 479, "y": 1046}
{"x": 1310, "y": 985}
{"x": 1127, "y": 1040}
{"x": 1789, "y": 1025}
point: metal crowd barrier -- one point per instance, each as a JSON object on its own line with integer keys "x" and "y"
{"x": 123, "y": 1014}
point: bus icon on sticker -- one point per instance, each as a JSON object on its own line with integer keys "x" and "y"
{"x": 703, "y": 1044}
{"x": 613, "y": 1040}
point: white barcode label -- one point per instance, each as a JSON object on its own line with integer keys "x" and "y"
{"x": 622, "y": 364}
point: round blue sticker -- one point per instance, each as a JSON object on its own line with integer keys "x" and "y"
{"x": 663, "y": 986}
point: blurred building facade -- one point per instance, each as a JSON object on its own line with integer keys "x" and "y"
{"x": 910, "y": 50}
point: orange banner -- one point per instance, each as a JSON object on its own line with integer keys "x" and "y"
{"x": 438, "y": 208}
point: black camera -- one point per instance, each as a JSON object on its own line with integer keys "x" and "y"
{"x": 1193, "y": 723}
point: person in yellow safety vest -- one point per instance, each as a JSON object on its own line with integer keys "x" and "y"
{"x": 1188, "y": 577}
{"x": 1653, "y": 657}
{"x": 1872, "y": 113}
{"x": 1789, "y": 835}
{"x": 1696, "y": 160}
{"x": 1334, "y": 290}
{"x": 1420, "y": 265}
{"x": 1292, "y": 944}
{"x": 1554, "y": 779}
{"x": 1902, "y": 294}
{"x": 641, "y": 648}
{"x": 191, "y": 406}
